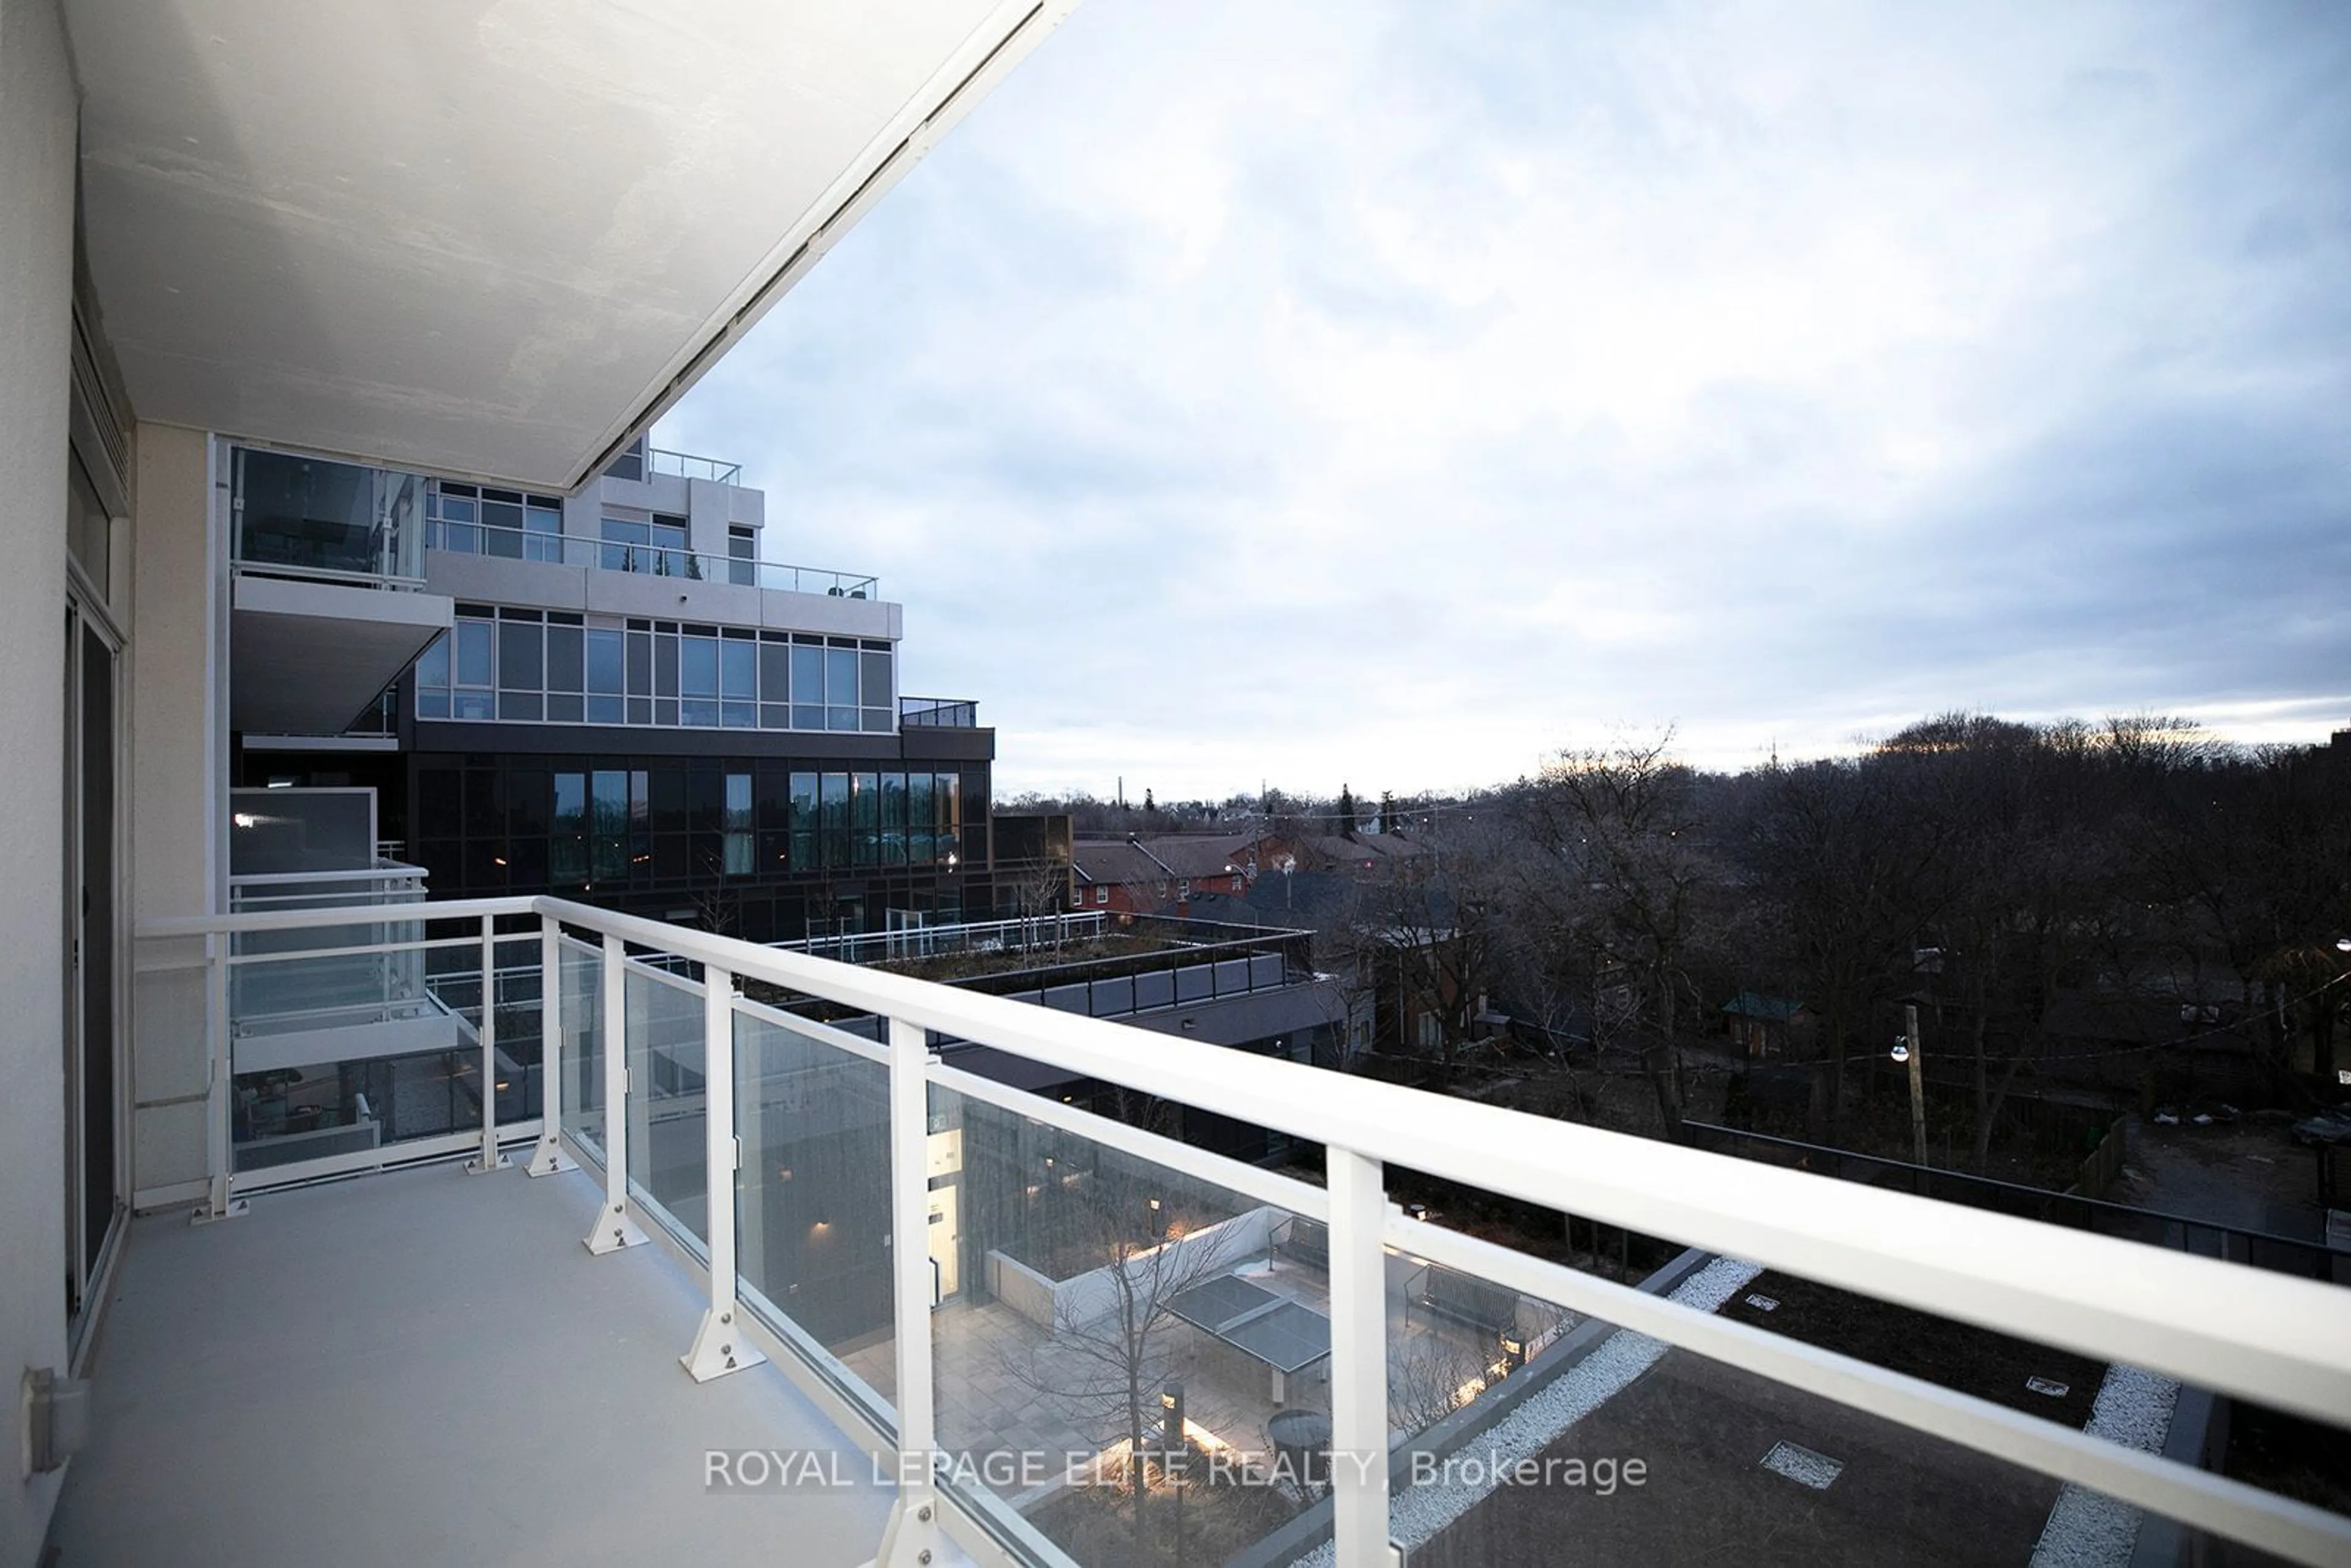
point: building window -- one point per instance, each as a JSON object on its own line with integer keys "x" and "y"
{"x": 736, "y": 853}
{"x": 656, "y": 546}
{"x": 742, "y": 556}
{"x": 561, "y": 667}
{"x": 477, "y": 519}
{"x": 630, "y": 464}
{"x": 1102, "y": 894}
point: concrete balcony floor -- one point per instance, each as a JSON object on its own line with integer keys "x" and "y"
{"x": 427, "y": 1366}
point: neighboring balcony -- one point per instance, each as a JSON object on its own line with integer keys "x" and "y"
{"x": 328, "y": 597}
{"x": 1106, "y": 1347}
{"x": 640, "y": 569}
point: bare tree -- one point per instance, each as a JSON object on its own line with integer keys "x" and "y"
{"x": 1112, "y": 1350}
{"x": 1622, "y": 826}
{"x": 1431, "y": 1375}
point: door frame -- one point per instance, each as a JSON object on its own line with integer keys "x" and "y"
{"x": 89, "y": 1272}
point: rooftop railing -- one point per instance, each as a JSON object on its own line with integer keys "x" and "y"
{"x": 780, "y": 1156}
{"x": 941, "y": 713}
{"x": 646, "y": 559}
{"x": 1024, "y": 933}
{"x": 687, "y": 465}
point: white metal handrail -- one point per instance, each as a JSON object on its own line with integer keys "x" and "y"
{"x": 2281, "y": 1340}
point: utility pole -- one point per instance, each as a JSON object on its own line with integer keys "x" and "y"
{"x": 1918, "y": 1084}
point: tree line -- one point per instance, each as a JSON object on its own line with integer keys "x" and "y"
{"x": 1612, "y": 902}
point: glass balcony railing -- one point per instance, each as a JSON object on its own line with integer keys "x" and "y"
{"x": 648, "y": 560}
{"x": 937, "y": 713}
{"x": 686, "y": 466}
{"x": 1084, "y": 1339}
{"x": 306, "y": 516}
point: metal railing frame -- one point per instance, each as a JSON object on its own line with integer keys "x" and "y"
{"x": 2129, "y": 1222}
{"x": 677, "y": 562}
{"x": 684, "y": 466}
{"x": 2274, "y": 1339}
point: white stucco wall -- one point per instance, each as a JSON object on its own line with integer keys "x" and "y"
{"x": 36, "y": 182}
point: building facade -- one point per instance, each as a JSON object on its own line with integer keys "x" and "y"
{"x": 632, "y": 704}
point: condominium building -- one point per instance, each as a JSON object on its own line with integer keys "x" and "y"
{"x": 330, "y": 338}
{"x": 634, "y": 704}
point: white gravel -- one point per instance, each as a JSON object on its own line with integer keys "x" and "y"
{"x": 1415, "y": 1514}
{"x": 2088, "y": 1529}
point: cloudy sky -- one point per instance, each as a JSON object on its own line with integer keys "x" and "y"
{"x": 1396, "y": 394}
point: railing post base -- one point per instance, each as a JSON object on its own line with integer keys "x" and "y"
{"x": 549, "y": 1158}
{"x": 719, "y": 1348}
{"x": 219, "y": 1206}
{"x": 912, "y": 1537}
{"x": 486, "y": 1161}
{"x": 615, "y": 1229}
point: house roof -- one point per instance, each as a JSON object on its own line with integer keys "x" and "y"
{"x": 1187, "y": 856}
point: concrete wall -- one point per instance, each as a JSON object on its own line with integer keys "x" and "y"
{"x": 179, "y": 767}
{"x": 37, "y": 189}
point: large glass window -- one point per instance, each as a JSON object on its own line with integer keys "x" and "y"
{"x": 657, "y": 546}
{"x": 804, "y": 822}
{"x": 922, "y": 830}
{"x": 606, "y": 657}
{"x": 736, "y": 853}
{"x": 893, "y": 819}
{"x": 432, "y": 679}
{"x": 738, "y": 682}
{"x": 558, "y": 667}
{"x": 840, "y": 689}
{"x": 568, "y": 860}
{"x": 835, "y": 818}
{"x": 609, "y": 824}
{"x": 476, "y": 520}
{"x": 522, "y": 670}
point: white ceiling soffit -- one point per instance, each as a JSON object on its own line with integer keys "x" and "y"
{"x": 486, "y": 237}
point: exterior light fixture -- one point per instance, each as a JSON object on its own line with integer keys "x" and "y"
{"x": 1901, "y": 1052}
{"x": 2343, "y": 944}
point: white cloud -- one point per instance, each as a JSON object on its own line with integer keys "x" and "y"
{"x": 1396, "y": 394}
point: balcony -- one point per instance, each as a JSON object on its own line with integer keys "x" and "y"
{"x": 1284, "y": 1330}
{"x": 671, "y": 562}
{"x": 328, "y": 605}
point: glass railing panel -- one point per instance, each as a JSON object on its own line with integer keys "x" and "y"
{"x": 309, "y": 515}
{"x": 812, "y": 1192}
{"x": 1520, "y": 1425}
{"x": 668, "y": 1125}
{"x": 583, "y": 1044}
{"x": 339, "y": 1052}
{"x": 521, "y": 1038}
{"x": 1089, "y": 1297}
